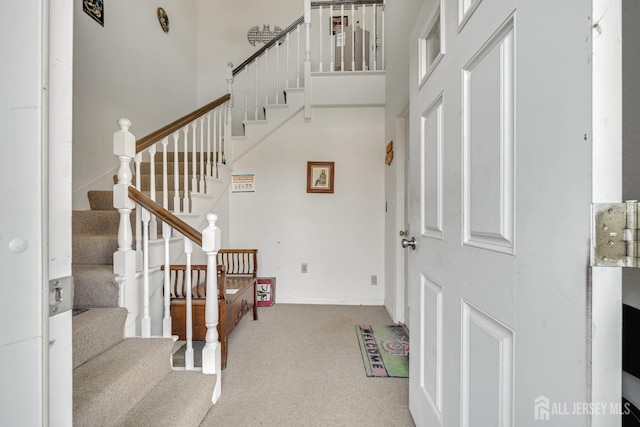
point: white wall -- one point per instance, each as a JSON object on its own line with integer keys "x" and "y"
{"x": 631, "y": 156}
{"x": 128, "y": 68}
{"x": 340, "y": 236}
{"x": 222, "y": 36}
{"x": 399, "y": 16}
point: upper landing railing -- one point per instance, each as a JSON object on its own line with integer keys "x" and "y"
{"x": 346, "y": 36}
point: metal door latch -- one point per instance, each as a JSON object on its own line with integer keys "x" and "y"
{"x": 614, "y": 235}
{"x": 60, "y": 295}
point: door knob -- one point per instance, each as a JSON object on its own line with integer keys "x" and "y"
{"x": 409, "y": 243}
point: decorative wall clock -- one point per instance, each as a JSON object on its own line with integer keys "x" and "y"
{"x": 163, "y": 18}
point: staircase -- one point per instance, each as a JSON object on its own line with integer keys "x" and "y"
{"x": 130, "y": 381}
{"x": 116, "y": 380}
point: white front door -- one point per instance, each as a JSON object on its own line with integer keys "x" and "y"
{"x": 500, "y": 187}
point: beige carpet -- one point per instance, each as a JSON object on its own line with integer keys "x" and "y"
{"x": 300, "y": 365}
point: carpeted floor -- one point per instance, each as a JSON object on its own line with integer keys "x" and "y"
{"x": 300, "y": 365}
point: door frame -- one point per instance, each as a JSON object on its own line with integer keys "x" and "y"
{"x": 400, "y": 148}
{"x": 605, "y": 289}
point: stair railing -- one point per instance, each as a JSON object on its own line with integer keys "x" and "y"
{"x": 199, "y": 141}
{"x": 209, "y": 241}
{"x": 350, "y": 34}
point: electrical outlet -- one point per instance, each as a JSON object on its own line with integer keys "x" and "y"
{"x": 303, "y": 267}
{"x": 374, "y": 280}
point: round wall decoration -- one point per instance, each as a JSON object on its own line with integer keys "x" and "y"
{"x": 163, "y": 18}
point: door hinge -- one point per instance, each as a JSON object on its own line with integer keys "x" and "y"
{"x": 615, "y": 234}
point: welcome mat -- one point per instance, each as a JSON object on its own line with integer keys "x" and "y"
{"x": 385, "y": 350}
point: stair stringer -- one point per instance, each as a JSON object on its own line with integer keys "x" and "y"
{"x": 257, "y": 131}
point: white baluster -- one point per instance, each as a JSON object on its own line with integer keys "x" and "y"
{"x": 124, "y": 259}
{"x": 332, "y": 48}
{"x": 220, "y": 141}
{"x": 188, "y": 357}
{"x": 194, "y": 162}
{"x": 152, "y": 190}
{"x": 278, "y": 71}
{"x": 286, "y": 84}
{"x": 165, "y": 178}
{"x": 246, "y": 93}
{"x": 208, "y": 171}
{"x": 185, "y": 165}
{"x": 266, "y": 78}
{"x": 256, "y": 106}
{"x": 229, "y": 104}
{"x": 176, "y": 173}
{"x": 166, "y": 319}
{"x": 343, "y": 36}
{"x": 146, "y": 320}
{"x": 211, "y": 246}
{"x": 138, "y": 162}
{"x": 216, "y": 141}
{"x": 227, "y": 135}
{"x": 382, "y": 41}
{"x": 365, "y": 66}
{"x": 374, "y": 20}
{"x": 321, "y": 37}
{"x": 298, "y": 61}
{"x": 307, "y": 59}
{"x": 353, "y": 38}
{"x": 202, "y": 189}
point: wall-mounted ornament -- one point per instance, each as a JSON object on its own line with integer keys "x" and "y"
{"x": 163, "y": 18}
{"x": 389, "y": 157}
{"x": 255, "y": 35}
{"x": 95, "y": 9}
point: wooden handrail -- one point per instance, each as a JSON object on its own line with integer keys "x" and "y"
{"x": 283, "y": 33}
{"x": 153, "y": 137}
{"x": 165, "y": 215}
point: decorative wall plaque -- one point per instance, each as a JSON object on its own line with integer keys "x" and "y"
{"x": 255, "y": 35}
{"x": 163, "y": 18}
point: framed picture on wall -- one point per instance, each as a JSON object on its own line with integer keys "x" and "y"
{"x": 320, "y": 177}
{"x": 95, "y": 9}
{"x": 338, "y": 23}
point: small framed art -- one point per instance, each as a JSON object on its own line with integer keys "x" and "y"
{"x": 95, "y": 9}
{"x": 320, "y": 177}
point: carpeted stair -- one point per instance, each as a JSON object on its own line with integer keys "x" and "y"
{"x": 130, "y": 382}
{"x": 118, "y": 381}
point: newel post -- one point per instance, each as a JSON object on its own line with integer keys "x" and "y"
{"x": 307, "y": 60}
{"x": 124, "y": 259}
{"x": 211, "y": 354}
{"x": 229, "y": 79}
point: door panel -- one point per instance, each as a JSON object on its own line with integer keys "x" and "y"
{"x": 431, "y": 156}
{"x": 488, "y": 124}
{"x": 430, "y": 373}
{"x": 487, "y": 370}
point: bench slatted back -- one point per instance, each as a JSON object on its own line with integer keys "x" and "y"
{"x": 177, "y": 284}
{"x": 239, "y": 261}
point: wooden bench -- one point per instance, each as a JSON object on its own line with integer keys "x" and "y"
{"x": 237, "y": 295}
